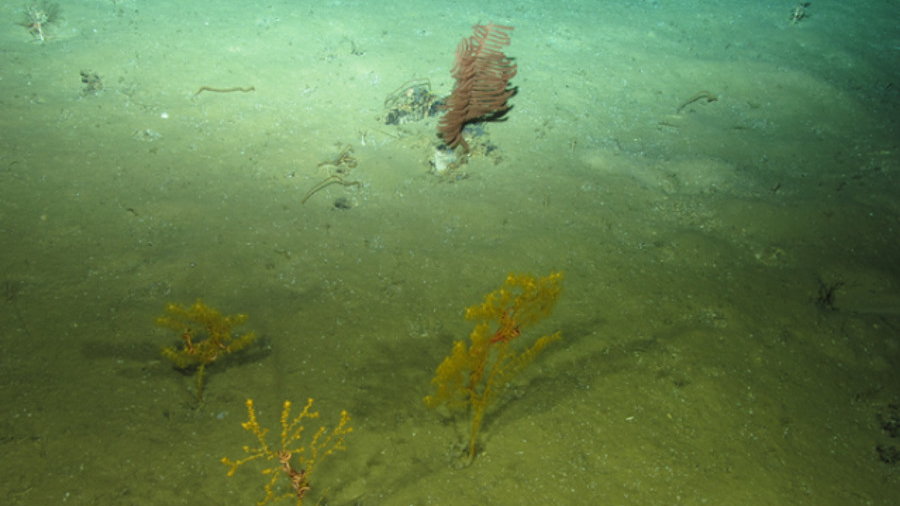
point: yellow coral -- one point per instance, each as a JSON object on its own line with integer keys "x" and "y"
{"x": 472, "y": 375}
{"x": 292, "y": 459}
{"x": 206, "y": 335}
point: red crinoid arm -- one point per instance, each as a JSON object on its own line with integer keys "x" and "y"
{"x": 509, "y": 328}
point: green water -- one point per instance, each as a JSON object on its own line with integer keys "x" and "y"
{"x": 731, "y": 307}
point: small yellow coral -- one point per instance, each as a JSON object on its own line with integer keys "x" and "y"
{"x": 206, "y": 335}
{"x": 472, "y": 375}
{"x": 292, "y": 459}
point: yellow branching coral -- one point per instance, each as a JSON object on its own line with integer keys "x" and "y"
{"x": 292, "y": 458}
{"x": 206, "y": 335}
{"x": 473, "y": 375}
